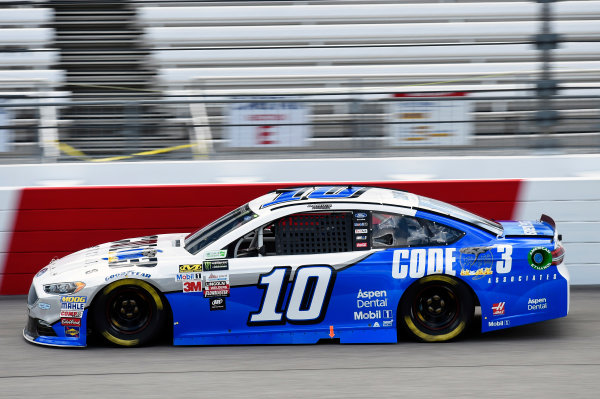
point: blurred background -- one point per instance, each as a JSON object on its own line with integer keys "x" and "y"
{"x": 182, "y": 80}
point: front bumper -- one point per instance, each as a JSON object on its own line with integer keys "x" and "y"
{"x": 45, "y": 327}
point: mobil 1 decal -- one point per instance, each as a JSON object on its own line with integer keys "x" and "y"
{"x": 307, "y": 297}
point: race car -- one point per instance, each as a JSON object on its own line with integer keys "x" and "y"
{"x": 348, "y": 264}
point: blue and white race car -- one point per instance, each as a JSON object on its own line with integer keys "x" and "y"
{"x": 353, "y": 264}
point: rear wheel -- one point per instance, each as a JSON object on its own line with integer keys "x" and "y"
{"x": 129, "y": 313}
{"x": 436, "y": 308}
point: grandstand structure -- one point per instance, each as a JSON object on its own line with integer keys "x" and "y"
{"x": 118, "y": 77}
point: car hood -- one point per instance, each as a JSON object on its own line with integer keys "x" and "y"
{"x": 141, "y": 252}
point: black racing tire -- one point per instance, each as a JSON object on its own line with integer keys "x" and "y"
{"x": 129, "y": 312}
{"x": 436, "y": 308}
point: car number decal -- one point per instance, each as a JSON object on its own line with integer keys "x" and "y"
{"x": 308, "y": 299}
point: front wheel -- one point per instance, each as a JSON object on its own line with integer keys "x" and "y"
{"x": 129, "y": 313}
{"x": 436, "y": 308}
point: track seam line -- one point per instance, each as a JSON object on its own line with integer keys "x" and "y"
{"x": 300, "y": 369}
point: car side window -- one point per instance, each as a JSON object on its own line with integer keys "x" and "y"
{"x": 298, "y": 234}
{"x": 392, "y": 230}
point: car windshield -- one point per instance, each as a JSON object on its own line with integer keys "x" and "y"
{"x": 453, "y": 211}
{"x": 212, "y": 232}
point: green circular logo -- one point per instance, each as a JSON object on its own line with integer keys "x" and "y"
{"x": 539, "y": 258}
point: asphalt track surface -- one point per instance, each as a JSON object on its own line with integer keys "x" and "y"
{"x": 554, "y": 359}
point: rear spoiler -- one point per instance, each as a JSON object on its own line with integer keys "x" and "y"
{"x": 548, "y": 219}
{"x": 551, "y": 222}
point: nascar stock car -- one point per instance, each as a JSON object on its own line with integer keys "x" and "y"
{"x": 354, "y": 264}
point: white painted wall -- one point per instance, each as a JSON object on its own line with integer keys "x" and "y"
{"x": 300, "y": 170}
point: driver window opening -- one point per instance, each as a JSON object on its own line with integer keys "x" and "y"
{"x": 298, "y": 234}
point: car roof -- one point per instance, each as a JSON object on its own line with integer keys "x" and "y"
{"x": 365, "y": 194}
{"x": 319, "y": 194}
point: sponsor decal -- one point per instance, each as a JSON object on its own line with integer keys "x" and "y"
{"x": 477, "y": 274}
{"x": 388, "y": 314}
{"x": 361, "y": 231}
{"x": 539, "y": 258}
{"x": 192, "y": 286}
{"x": 522, "y": 279}
{"x": 416, "y": 263}
{"x": 42, "y": 271}
{"x": 72, "y": 332}
{"x": 147, "y": 241}
{"x": 361, "y": 224}
{"x": 216, "y": 276}
{"x": 217, "y": 303}
{"x": 209, "y": 293}
{"x": 73, "y": 299}
{"x": 216, "y": 254}
{"x": 361, "y": 245}
{"x": 73, "y": 302}
{"x": 188, "y": 276}
{"x": 215, "y": 265}
{"x": 528, "y": 228}
{"x": 474, "y": 259}
{"x": 72, "y": 306}
{"x": 537, "y": 304}
{"x": 388, "y": 323}
{"x": 75, "y": 314}
{"x": 360, "y": 215}
{"x": 498, "y": 308}
{"x": 70, "y": 322}
{"x": 91, "y": 271}
{"x": 216, "y": 289}
{"x": 190, "y": 268}
{"x": 44, "y": 306}
{"x": 371, "y": 299}
{"x": 369, "y": 315}
{"x": 126, "y": 274}
{"x": 319, "y": 206}
{"x": 216, "y": 284}
{"x": 376, "y": 324}
{"x": 324, "y": 192}
{"x": 498, "y": 323}
{"x": 361, "y": 238}
{"x": 128, "y": 256}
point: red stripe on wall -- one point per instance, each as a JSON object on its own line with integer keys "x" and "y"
{"x": 54, "y": 221}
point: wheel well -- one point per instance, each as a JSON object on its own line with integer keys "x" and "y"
{"x": 167, "y": 304}
{"x": 459, "y": 281}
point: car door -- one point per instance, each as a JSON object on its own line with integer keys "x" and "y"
{"x": 283, "y": 277}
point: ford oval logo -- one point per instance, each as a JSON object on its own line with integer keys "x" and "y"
{"x": 360, "y": 215}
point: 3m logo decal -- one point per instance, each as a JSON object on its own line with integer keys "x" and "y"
{"x": 192, "y": 286}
